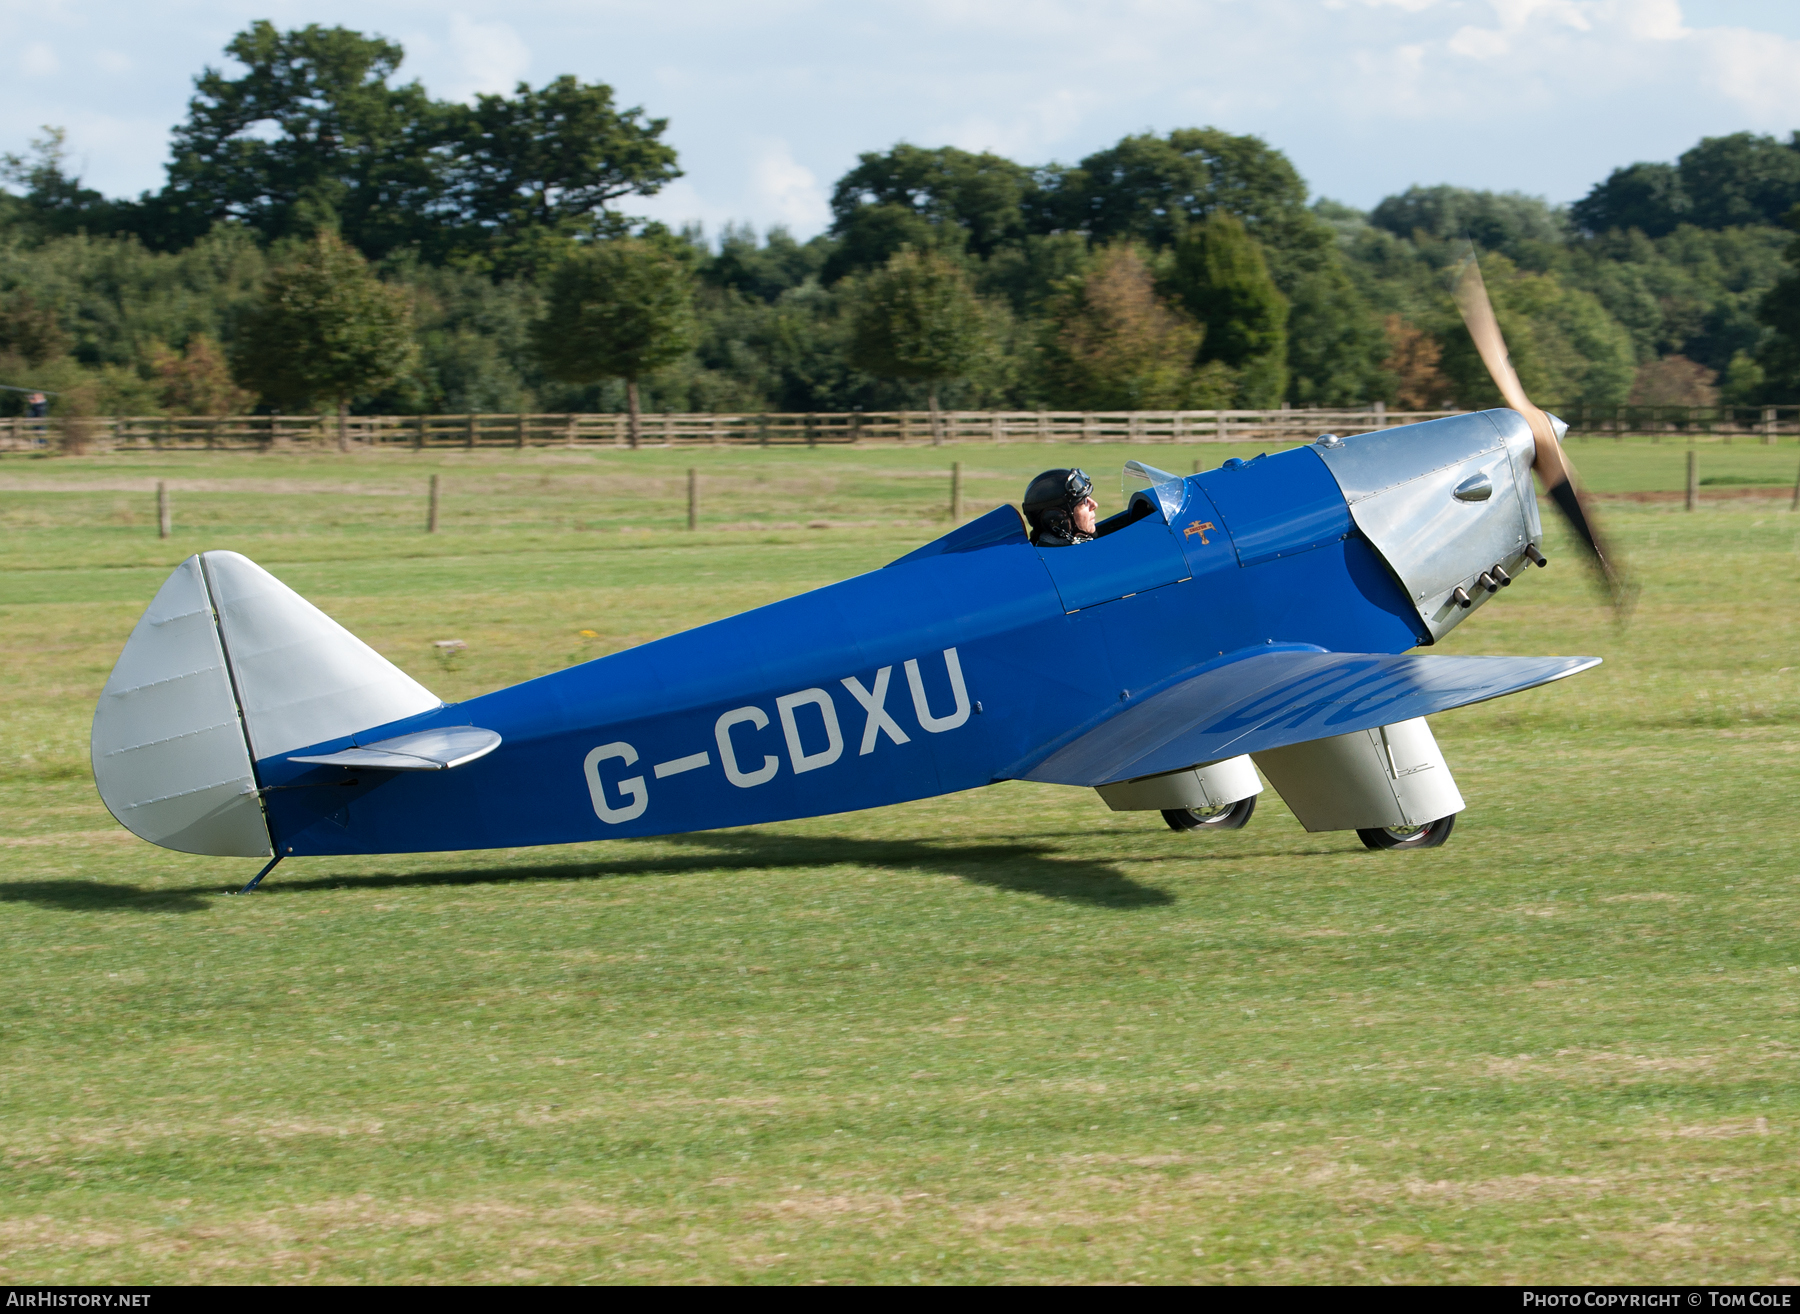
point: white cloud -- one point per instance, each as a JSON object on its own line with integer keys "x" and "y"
{"x": 1027, "y": 130}
{"x": 492, "y": 57}
{"x": 1756, "y": 71}
{"x": 1479, "y": 43}
{"x": 39, "y": 61}
{"x": 787, "y": 190}
{"x": 111, "y": 61}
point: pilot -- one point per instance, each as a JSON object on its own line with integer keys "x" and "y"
{"x": 1060, "y": 506}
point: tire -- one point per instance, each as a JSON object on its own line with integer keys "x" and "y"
{"x": 1233, "y": 816}
{"x": 1428, "y": 836}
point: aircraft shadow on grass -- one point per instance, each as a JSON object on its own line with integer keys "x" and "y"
{"x": 104, "y": 897}
{"x": 1026, "y": 867}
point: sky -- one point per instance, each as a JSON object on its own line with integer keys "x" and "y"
{"x": 769, "y": 101}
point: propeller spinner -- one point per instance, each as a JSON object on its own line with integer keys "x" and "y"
{"x": 1552, "y": 466}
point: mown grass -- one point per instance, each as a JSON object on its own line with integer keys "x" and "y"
{"x": 1000, "y": 1036}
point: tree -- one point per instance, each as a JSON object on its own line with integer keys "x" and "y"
{"x": 30, "y": 330}
{"x": 546, "y": 162}
{"x": 764, "y": 272}
{"x": 1565, "y": 346}
{"x": 1778, "y": 360}
{"x": 1674, "y": 381}
{"x": 1152, "y": 188}
{"x": 917, "y": 318}
{"x": 943, "y": 198}
{"x": 313, "y": 135}
{"x": 346, "y": 150}
{"x": 1511, "y": 222}
{"x": 1740, "y": 179}
{"x": 1412, "y": 363}
{"x": 1115, "y": 345}
{"x": 1720, "y": 182}
{"x": 328, "y": 328}
{"x": 1334, "y": 340}
{"x": 1220, "y": 276}
{"x": 55, "y": 203}
{"x": 618, "y": 309}
{"x": 198, "y": 381}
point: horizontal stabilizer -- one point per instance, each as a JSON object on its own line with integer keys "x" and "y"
{"x": 1273, "y": 699}
{"x": 424, "y": 750}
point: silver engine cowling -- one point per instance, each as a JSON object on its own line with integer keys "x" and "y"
{"x": 1444, "y": 502}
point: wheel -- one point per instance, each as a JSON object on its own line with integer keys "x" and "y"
{"x": 1428, "y": 836}
{"x": 1233, "y": 816}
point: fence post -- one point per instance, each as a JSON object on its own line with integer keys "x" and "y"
{"x": 693, "y": 498}
{"x": 1381, "y": 415}
{"x": 1768, "y": 426}
{"x": 469, "y": 438}
{"x": 164, "y": 523}
{"x": 431, "y": 515}
{"x": 519, "y": 438}
{"x": 1693, "y": 479}
{"x": 956, "y": 492}
{"x": 570, "y": 441}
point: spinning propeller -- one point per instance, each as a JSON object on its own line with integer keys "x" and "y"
{"x": 1553, "y": 468}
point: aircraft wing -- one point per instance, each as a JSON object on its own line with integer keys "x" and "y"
{"x": 1273, "y": 699}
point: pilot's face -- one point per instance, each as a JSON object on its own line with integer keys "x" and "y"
{"x": 1083, "y": 515}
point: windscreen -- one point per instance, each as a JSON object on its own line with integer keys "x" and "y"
{"x": 1166, "y": 490}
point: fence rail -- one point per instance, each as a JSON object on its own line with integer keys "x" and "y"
{"x": 264, "y": 432}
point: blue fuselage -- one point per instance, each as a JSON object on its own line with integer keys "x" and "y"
{"x": 810, "y": 706}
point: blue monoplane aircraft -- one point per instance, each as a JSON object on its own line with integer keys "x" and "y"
{"x": 1257, "y": 613}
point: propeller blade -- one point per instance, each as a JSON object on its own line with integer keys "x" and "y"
{"x": 1552, "y": 466}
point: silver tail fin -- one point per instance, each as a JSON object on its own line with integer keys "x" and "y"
{"x": 228, "y": 667}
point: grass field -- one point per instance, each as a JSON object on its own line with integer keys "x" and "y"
{"x": 999, "y": 1036}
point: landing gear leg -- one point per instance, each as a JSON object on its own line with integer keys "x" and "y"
{"x": 259, "y": 875}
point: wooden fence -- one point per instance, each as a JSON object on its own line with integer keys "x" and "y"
{"x": 418, "y": 432}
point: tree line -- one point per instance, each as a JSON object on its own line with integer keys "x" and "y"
{"x": 328, "y": 239}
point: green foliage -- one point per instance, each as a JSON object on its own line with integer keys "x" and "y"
{"x": 1565, "y": 346}
{"x": 313, "y": 135}
{"x": 1150, "y": 188}
{"x": 1694, "y": 292}
{"x": 1527, "y": 229}
{"x": 1722, "y": 182}
{"x": 943, "y": 199}
{"x": 1220, "y": 276}
{"x": 763, "y": 272}
{"x": 347, "y": 151}
{"x": 198, "y": 382}
{"x": 326, "y": 329}
{"x": 1114, "y": 344}
{"x": 54, "y": 204}
{"x": 918, "y": 319}
{"x": 469, "y": 206}
{"x": 617, "y": 309}
{"x": 1335, "y": 342}
{"x": 546, "y": 164}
